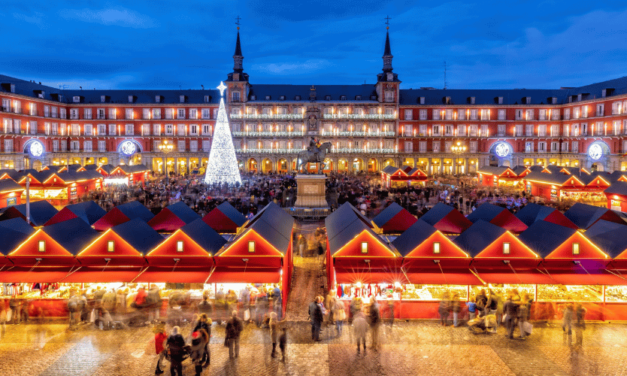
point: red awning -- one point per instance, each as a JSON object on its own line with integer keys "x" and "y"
{"x": 176, "y": 276}
{"x": 601, "y": 278}
{"x": 522, "y": 278}
{"x": 343, "y": 275}
{"x": 105, "y": 276}
{"x": 250, "y": 275}
{"x": 446, "y": 278}
{"x": 26, "y": 276}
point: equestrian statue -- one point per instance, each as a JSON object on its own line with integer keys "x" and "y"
{"x": 315, "y": 153}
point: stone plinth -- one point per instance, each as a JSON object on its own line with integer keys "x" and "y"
{"x": 311, "y": 191}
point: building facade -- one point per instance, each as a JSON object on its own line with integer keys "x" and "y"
{"x": 369, "y": 126}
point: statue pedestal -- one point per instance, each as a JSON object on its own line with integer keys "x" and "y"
{"x": 311, "y": 191}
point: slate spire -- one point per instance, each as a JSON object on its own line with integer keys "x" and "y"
{"x": 387, "y": 54}
{"x": 237, "y": 57}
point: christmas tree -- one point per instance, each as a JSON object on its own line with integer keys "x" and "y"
{"x": 222, "y": 165}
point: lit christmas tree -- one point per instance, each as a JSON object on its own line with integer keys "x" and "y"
{"x": 222, "y": 165}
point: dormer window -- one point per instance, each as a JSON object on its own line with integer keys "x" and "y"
{"x": 41, "y": 247}
{"x": 297, "y": 98}
{"x": 251, "y": 247}
{"x": 364, "y": 247}
{"x": 506, "y": 248}
{"x": 103, "y": 98}
{"x": 327, "y": 98}
{"x": 421, "y": 100}
{"x": 130, "y": 99}
{"x": 207, "y": 99}
{"x": 182, "y": 98}
{"x": 253, "y": 97}
{"x": 110, "y": 246}
{"x": 76, "y": 99}
{"x": 282, "y": 98}
{"x": 342, "y": 97}
{"x": 373, "y": 97}
{"x": 575, "y": 249}
{"x": 358, "y": 97}
{"x": 157, "y": 99}
{"x": 436, "y": 248}
{"x": 267, "y": 97}
{"x": 179, "y": 246}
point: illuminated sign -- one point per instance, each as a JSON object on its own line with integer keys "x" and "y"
{"x": 595, "y": 152}
{"x": 36, "y": 149}
{"x": 128, "y": 148}
{"x": 502, "y": 150}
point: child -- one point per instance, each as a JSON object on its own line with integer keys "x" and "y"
{"x": 283, "y": 342}
{"x": 472, "y": 308}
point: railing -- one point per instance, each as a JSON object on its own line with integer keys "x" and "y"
{"x": 358, "y": 134}
{"x": 360, "y": 116}
{"x": 268, "y": 116}
{"x": 333, "y": 151}
{"x": 268, "y": 134}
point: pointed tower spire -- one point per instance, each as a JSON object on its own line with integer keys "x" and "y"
{"x": 238, "y": 47}
{"x": 387, "y": 53}
{"x": 238, "y": 66}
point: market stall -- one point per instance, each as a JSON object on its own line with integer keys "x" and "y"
{"x": 122, "y": 214}
{"x": 124, "y": 174}
{"x": 446, "y": 219}
{"x": 394, "y": 219}
{"x": 40, "y": 212}
{"x": 616, "y": 195}
{"x": 498, "y": 176}
{"x": 173, "y": 217}
{"x": 10, "y": 193}
{"x": 392, "y": 177}
{"x": 499, "y": 216}
{"x": 225, "y": 219}
{"x": 532, "y": 213}
{"x": 555, "y": 186}
{"x": 88, "y": 211}
{"x": 584, "y": 216}
{"x": 13, "y": 232}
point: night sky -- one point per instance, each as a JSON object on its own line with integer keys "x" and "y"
{"x": 172, "y": 44}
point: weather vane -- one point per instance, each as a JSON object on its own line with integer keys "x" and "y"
{"x": 237, "y": 21}
{"x": 387, "y": 21}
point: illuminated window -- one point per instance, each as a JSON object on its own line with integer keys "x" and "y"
{"x": 436, "y": 248}
{"x": 251, "y": 247}
{"x": 364, "y": 247}
{"x": 506, "y": 248}
{"x": 575, "y": 248}
{"x": 179, "y": 246}
{"x": 110, "y": 246}
{"x": 42, "y": 246}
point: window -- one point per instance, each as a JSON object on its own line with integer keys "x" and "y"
{"x": 193, "y": 129}
{"x": 575, "y": 148}
{"x": 436, "y": 248}
{"x": 542, "y": 147}
{"x": 575, "y": 248}
{"x": 41, "y": 246}
{"x": 408, "y": 114}
{"x": 502, "y": 114}
{"x": 181, "y": 98}
{"x": 436, "y": 130}
{"x": 102, "y": 129}
{"x": 76, "y": 99}
{"x": 88, "y": 129}
{"x": 75, "y": 146}
{"x": 206, "y": 113}
{"x": 409, "y": 146}
{"x": 129, "y": 113}
{"x": 541, "y": 130}
{"x": 554, "y": 147}
{"x": 129, "y": 129}
{"x": 206, "y": 129}
{"x": 156, "y": 113}
{"x": 436, "y": 146}
{"x": 501, "y": 129}
{"x": 110, "y": 246}
{"x": 506, "y": 248}
{"x": 251, "y": 247}
{"x": 448, "y": 130}
{"x": 423, "y": 114}
{"x": 76, "y": 130}
{"x": 389, "y": 96}
{"x": 145, "y": 129}
{"x": 169, "y": 129}
{"x": 448, "y": 114}
{"x": 156, "y": 129}
{"x": 87, "y": 146}
{"x": 180, "y": 129}
{"x": 113, "y": 113}
{"x": 567, "y": 114}
{"x": 193, "y": 113}
{"x": 436, "y": 114}
{"x": 564, "y": 147}
{"x": 157, "y": 98}
{"x": 473, "y": 146}
{"x": 529, "y": 114}
{"x": 485, "y": 114}
{"x": 206, "y": 145}
{"x": 8, "y": 146}
{"x": 63, "y": 145}
{"x": 600, "y": 109}
{"x": 181, "y": 145}
{"x": 542, "y": 114}
{"x": 179, "y": 246}
{"x": 422, "y": 146}
{"x": 87, "y": 113}
{"x": 473, "y": 114}
{"x": 102, "y": 146}
{"x": 74, "y": 113}
{"x": 235, "y": 96}
{"x": 112, "y": 130}
{"x": 364, "y": 247}
{"x": 193, "y": 145}
{"x": 529, "y": 147}
{"x": 528, "y": 129}
{"x": 180, "y": 113}
{"x": 55, "y": 145}
{"x": 447, "y": 146}
{"x": 54, "y": 112}
{"x": 519, "y": 130}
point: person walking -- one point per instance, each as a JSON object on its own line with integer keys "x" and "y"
{"x": 339, "y": 314}
{"x": 523, "y": 317}
{"x": 316, "y": 317}
{"x": 355, "y": 307}
{"x": 580, "y": 324}
{"x": 275, "y": 327}
{"x": 567, "y": 321}
{"x": 360, "y": 330}
{"x": 329, "y": 303}
{"x": 375, "y": 321}
{"x": 160, "y": 340}
{"x": 472, "y": 308}
{"x": 283, "y": 342}
{"x": 175, "y": 344}
{"x": 456, "y": 308}
{"x": 443, "y": 309}
{"x": 302, "y": 244}
{"x": 234, "y": 329}
{"x": 511, "y": 312}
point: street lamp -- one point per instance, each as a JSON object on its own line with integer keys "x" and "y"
{"x": 458, "y": 149}
{"x": 166, "y": 148}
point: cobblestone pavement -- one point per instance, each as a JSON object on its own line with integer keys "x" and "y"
{"x": 408, "y": 348}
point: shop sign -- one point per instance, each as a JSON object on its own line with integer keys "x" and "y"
{"x": 615, "y": 205}
{"x": 73, "y": 192}
{"x": 554, "y": 194}
{"x": 529, "y": 188}
{"x": 11, "y": 201}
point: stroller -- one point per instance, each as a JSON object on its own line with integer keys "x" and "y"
{"x": 483, "y": 324}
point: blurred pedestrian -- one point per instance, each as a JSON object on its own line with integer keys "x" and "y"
{"x": 472, "y": 308}
{"x": 443, "y": 309}
{"x": 360, "y": 330}
{"x": 283, "y": 342}
{"x": 523, "y": 318}
{"x": 175, "y": 343}
{"x": 580, "y": 325}
{"x": 275, "y": 327}
{"x": 339, "y": 315}
{"x": 567, "y": 321}
{"x": 511, "y": 314}
{"x": 330, "y": 305}
{"x": 456, "y": 308}
{"x": 375, "y": 321}
{"x": 160, "y": 339}
{"x": 302, "y": 244}
{"x": 316, "y": 317}
{"x": 234, "y": 329}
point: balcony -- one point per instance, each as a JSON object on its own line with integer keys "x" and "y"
{"x": 334, "y": 151}
{"x": 268, "y": 116}
{"x": 357, "y": 134}
{"x": 268, "y": 134}
{"x": 359, "y": 116}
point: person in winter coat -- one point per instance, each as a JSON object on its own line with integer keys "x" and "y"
{"x": 360, "y": 330}
{"x": 329, "y": 303}
{"x": 567, "y": 320}
{"x": 302, "y": 245}
{"x": 523, "y": 317}
{"x": 175, "y": 344}
{"x": 275, "y": 327}
{"x": 339, "y": 314}
{"x": 355, "y": 307}
{"x": 160, "y": 339}
{"x": 580, "y": 324}
{"x": 443, "y": 309}
{"x": 234, "y": 328}
{"x": 205, "y": 306}
{"x": 482, "y": 300}
{"x": 199, "y": 344}
{"x": 316, "y": 317}
{"x": 456, "y": 308}
{"x": 511, "y": 310}
{"x": 375, "y": 322}
{"x": 283, "y": 342}
{"x": 244, "y": 297}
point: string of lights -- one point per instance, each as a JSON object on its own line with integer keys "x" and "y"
{"x": 222, "y": 166}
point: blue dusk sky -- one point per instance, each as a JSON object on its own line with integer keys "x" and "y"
{"x": 172, "y": 44}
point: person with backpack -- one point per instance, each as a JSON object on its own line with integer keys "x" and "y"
{"x": 176, "y": 344}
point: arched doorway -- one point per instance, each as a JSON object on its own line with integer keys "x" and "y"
{"x": 266, "y": 166}
{"x": 252, "y": 165}
{"x": 342, "y": 165}
{"x": 388, "y": 162}
{"x": 358, "y": 165}
{"x": 408, "y": 162}
{"x": 328, "y": 165}
{"x": 597, "y": 166}
{"x": 282, "y": 166}
{"x": 372, "y": 165}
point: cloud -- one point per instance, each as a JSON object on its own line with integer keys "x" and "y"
{"x": 34, "y": 19}
{"x": 110, "y": 17}
{"x": 288, "y": 68}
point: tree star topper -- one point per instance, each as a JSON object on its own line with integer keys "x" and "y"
{"x": 221, "y": 88}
